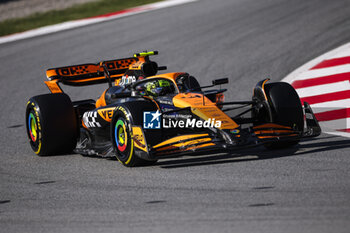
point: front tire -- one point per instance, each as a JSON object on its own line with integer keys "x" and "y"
{"x": 286, "y": 109}
{"x": 121, "y": 127}
{"x": 51, "y": 124}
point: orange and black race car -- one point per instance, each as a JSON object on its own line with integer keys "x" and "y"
{"x": 144, "y": 116}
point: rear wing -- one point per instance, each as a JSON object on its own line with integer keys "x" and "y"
{"x": 90, "y": 74}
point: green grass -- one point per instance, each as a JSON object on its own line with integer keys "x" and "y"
{"x": 76, "y": 12}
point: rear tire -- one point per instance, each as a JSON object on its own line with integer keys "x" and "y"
{"x": 51, "y": 124}
{"x": 286, "y": 110}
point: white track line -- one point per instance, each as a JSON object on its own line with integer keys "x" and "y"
{"x": 290, "y": 78}
{"x": 88, "y": 21}
{"x": 330, "y": 105}
{"x": 317, "y": 73}
{"x": 345, "y": 53}
{"x": 323, "y": 89}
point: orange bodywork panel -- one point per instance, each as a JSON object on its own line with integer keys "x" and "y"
{"x": 72, "y": 71}
{"x": 90, "y": 69}
{"x": 271, "y": 125}
{"x": 180, "y": 138}
{"x": 137, "y": 65}
{"x": 106, "y": 113}
{"x": 82, "y": 123}
{"x": 87, "y": 74}
{"x": 102, "y": 100}
{"x": 165, "y": 149}
{"x": 204, "y": 108}
{"x": 270, "y": 128}
{"x": 53, "y": 86}
{"x": 185, "y": 146}
{"x": 263, "y": 87}
{"x": 139, "y": 138}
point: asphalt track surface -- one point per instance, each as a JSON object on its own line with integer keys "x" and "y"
{"x": 303, "y": 189}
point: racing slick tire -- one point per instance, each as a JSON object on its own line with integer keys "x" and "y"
{"x": 51, "y": 124}
{"x": 286, "y": 110}
{"x": 124, "y": 117}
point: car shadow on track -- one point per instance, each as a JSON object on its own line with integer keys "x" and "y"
{"x": 318, "y": 146}
{"x": 307, "y": 146}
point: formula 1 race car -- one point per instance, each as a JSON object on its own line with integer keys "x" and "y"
{"x": 144, "y": 116}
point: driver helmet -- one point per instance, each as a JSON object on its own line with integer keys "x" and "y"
{"x": 158, "y": 87}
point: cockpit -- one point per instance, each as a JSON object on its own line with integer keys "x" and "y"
{"x": 155, "y": 87}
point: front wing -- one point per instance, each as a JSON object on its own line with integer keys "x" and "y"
{"x": 206, "y": 143}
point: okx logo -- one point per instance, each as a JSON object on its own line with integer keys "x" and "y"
{"x": 151, "y": 120}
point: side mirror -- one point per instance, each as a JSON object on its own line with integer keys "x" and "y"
{"x": 150, "y": 68}
{"x": 220, "y": 81}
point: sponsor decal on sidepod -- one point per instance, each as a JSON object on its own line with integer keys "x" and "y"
{"x": 152, "y": 120}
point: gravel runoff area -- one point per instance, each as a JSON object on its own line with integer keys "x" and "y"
{"x": 20, "y": 8}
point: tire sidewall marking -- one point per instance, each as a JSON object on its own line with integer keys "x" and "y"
{"x": 125, "y": 114}
{"x": 33, "y": 108}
